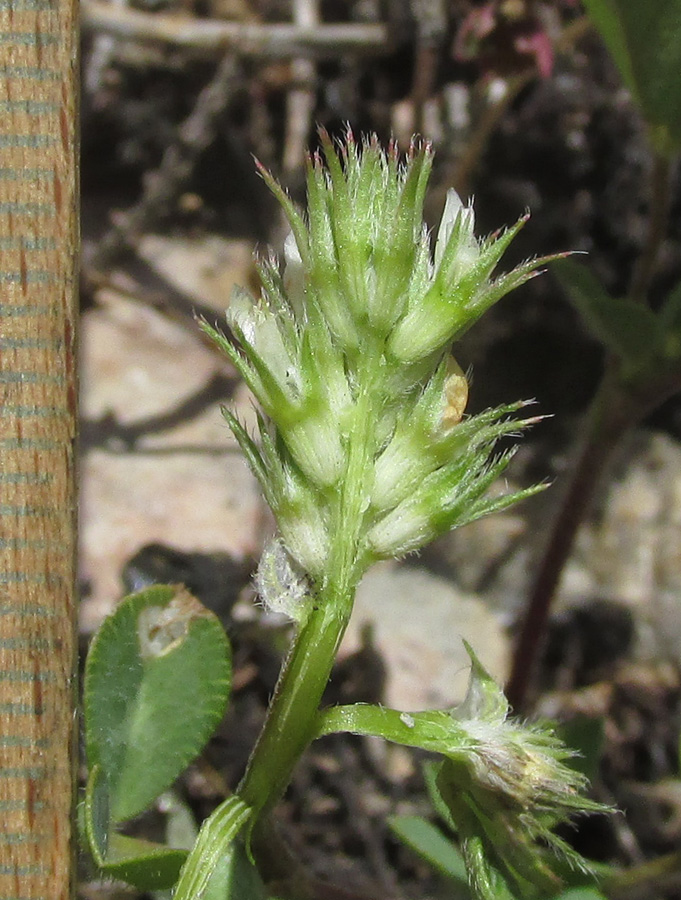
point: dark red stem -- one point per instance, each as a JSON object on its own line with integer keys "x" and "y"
{"x": 605, "y": 425}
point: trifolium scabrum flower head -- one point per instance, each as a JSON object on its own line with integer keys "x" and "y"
{"x": 364, "y": 433}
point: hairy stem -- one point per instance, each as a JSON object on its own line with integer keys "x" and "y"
{"x": 291, "y": 719}
{"x": 290, "y": 722}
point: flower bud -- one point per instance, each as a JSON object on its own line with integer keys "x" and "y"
{"x": 407, "y": 458}
{"x": 453, "y": 493}
{"x": 306, "y": 537}
{"x": 274, "y": 373}
{"x": 364, "y": 438}
{"x": 294, "y": 276}
{"x": 463, "y": 251}
{"x": 315, "y": 444}
{"x": 301, "y": 521}
{"x": 460, "y": 290}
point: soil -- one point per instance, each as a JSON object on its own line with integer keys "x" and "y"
{"x": 571, "y": 148}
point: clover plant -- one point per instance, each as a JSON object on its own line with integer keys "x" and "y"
{"x": 364, "y": 452}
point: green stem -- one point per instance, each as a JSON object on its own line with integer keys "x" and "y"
{"x": 291, "y": 719}
{"x": 431, "y": 729}
{"x": 215, "y": 838}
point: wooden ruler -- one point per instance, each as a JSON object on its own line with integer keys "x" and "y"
{"x": 38, "y": 243}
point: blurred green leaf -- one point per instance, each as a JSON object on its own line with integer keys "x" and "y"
{"x": 644, "y": 39}
{"x": 426, "y": 840}
{"x": 629, "y": 330}
{"x": 431, "y": 770}
{"x": 144, "y": 864}
{"x": 670, "y": 322}
{"x": 581, "y": 894}
{"x": 96, "y": 814}
{"x": 585, "y": 735}
{"x": 157, "y": 680}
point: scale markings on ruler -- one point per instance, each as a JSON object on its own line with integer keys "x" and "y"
{"x": 38, "y": 248}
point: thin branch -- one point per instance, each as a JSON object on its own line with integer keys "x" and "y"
{"x": 616, "y": 409}
{"x": 618, "y": 406}
{"x": 607, "y": 422}
{"x": 274, "y": 41}
{"x": 301, "y": 99}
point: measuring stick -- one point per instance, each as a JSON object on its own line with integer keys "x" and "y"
{"x": 38, "y": 243}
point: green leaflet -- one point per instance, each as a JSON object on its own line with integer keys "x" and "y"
{"x": 628, "y": 329}
{"x": 147, "y": 865}
{"x": 644, "y": 38}
{"x": 157, "y": 680}
{"x": 431, "y": 844}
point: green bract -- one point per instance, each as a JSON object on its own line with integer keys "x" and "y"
{"x": 346, "y": 351}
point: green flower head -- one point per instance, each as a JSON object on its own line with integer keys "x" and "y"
{"x": 506, "y": 788}
{"x": 347, "y": 351}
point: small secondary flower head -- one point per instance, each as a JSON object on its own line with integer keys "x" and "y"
{"x": 502, "y": 785}
{"x": 506, "y": 789}
{"x": 363, "y": 437}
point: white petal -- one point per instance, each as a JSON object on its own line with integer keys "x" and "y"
{"x": 241, "y": 314}
{"x": 294, "y": 275}
{"x": 291, "y": 252}
{"x": 453, "y": 207}
{"x": 454, "y": 210}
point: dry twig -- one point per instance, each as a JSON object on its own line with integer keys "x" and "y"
{"x": 300, "y": 101}
{"x": 273, "y": 41}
